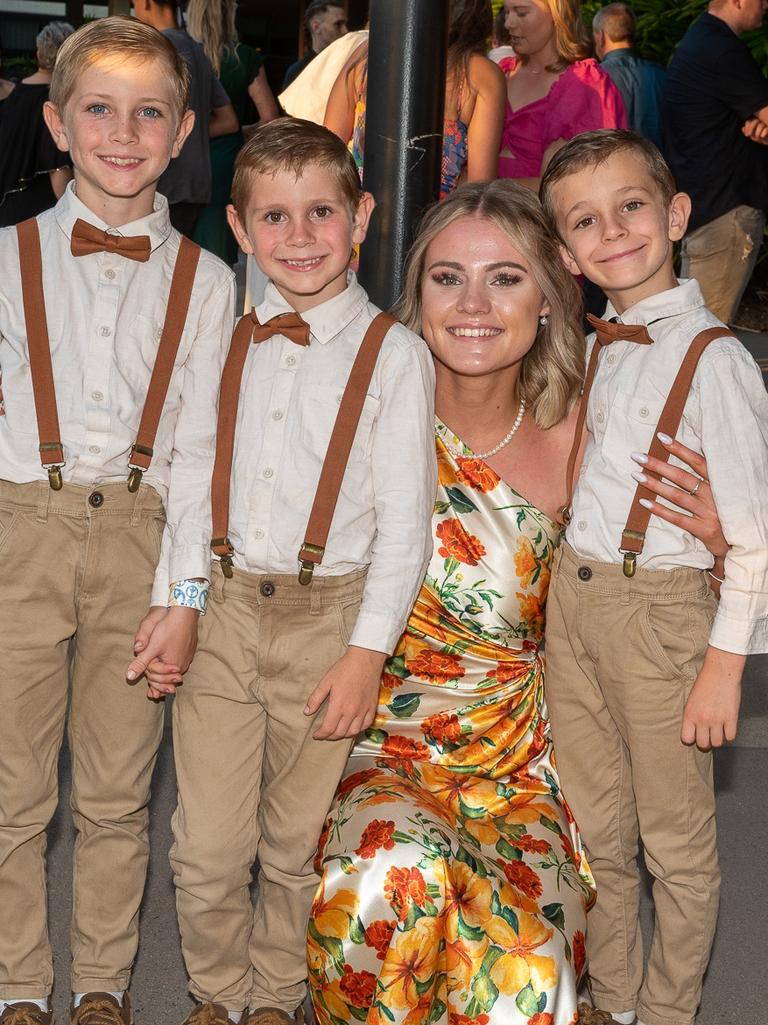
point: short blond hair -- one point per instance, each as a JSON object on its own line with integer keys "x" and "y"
{"x": 117, "y": 36}
{"x": 553, "y": 370}
{"x": 291, "y": 144}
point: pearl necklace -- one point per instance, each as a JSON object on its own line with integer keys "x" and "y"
{"x": 505, "y": 440}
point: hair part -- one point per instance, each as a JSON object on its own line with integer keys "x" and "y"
{"x": 123, "y": 38}
{"x": 617, "y": 21}
{"x": 552, "y": 371}
{"x": 212, "y": 24}
{"x": 49, "y": 41}
{"x": 591, "y": 149}
{"x": 290, "y": 144}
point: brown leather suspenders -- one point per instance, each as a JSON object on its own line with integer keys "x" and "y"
{"x": 336, "y": 457}
{"x": 633, "y": 535}
{"x": 51, "y": 448}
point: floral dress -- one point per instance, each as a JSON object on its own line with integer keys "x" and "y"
{"x": 454, "y": 888}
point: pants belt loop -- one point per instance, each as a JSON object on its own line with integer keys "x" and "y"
{"x": 138, "y": 504}
{"x": 626, "y": 588}
{"x": 315, "y": 593}
{"x": 43, "y": 501}
{"x": 217, "y": 587}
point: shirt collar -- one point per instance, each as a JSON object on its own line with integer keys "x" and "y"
{"x": 327, "y": 320}
{"x": 674, "y": 302}
{"x": 157, "y": 224}
{"x": 614, "y": 55}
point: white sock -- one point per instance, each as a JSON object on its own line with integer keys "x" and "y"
{"x": 77, "y": 998}
{"x": 624, "y": 1018}
{"x": 41, "y": 1002}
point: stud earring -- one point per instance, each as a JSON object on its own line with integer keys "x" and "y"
{"x": 543, "y": 319}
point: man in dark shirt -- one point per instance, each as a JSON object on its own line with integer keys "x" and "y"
{"x": 324, "y": 23}
{"x": 640, "y": 82}
{"x": 715, "y": 131}
{"x": 186, "y": 183}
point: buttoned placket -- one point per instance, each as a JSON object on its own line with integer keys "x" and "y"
{"x": 263, "y": 472}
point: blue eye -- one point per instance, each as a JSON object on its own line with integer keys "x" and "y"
{"x": 150, "y": 112}
{"x": 96, "y": 108}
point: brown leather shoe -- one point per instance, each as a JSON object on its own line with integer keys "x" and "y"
{"x": 24, "y": 1013}
{"x": 273, "y": 1016}
{"x": 208, "y": 1014}
{"x": 594, "y": 1016}
{"x": 102, "y": 1009}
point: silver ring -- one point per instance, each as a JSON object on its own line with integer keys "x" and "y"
{"x": 699, "y": 482}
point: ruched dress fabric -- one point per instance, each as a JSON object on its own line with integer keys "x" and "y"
{"x": 454, "y": 888}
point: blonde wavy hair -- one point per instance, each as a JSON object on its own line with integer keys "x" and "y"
{"x": 572, "y": 39}
{"x": 552, "y": 371}
{"x": 212, "y": 24}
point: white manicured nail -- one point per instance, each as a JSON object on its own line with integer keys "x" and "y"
{"x": 640, "y": 457}
{"x": 646, "y": 504}
{"x": 639, "y": 477}
{"x": 664, "y": 438}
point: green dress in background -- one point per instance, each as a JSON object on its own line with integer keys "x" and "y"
{"x": 212, "y": 232}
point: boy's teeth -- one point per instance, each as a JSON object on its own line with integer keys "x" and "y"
{"x": 122, "y": 161}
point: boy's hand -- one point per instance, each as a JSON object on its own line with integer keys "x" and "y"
{"x": 352, "y": 689}
{"x": 168, "y": 652}
{"x": 712, "y": 711}
{"x": 147, "y": 626}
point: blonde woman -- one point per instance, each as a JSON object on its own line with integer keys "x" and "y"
{"x": 241, "y": 71}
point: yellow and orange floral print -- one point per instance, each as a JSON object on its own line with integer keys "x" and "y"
{"x": 454, "y": 887}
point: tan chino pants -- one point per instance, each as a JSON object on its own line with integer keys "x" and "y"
{"x": 76, "y": 567}
{"x": 253, "y": 783}
{"x": 622, "y": 656}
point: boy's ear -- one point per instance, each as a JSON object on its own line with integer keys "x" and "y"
{"x": 567, "y": 257}
{"x": 55, "y": 123}
{"x": 362, "y": 218}
{"x": 679, "y": 212}
{"x": 239, "y": 231}
{"x": 186, "y": 125}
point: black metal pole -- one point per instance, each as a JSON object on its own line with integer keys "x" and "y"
{"x": 403, "y": 132}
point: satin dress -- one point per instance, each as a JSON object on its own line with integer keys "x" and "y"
{"x": 454, "y": 888}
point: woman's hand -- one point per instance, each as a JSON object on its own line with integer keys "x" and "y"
{"x": 689, "y": 491}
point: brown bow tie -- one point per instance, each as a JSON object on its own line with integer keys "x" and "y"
{"x": 611, "y": 331}
{"x": 87, "y": 239}
{"x": 289, "y": 324}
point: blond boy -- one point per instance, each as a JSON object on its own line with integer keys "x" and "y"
{"x": 643, "y": 667}
{"x": 89, "y": 295}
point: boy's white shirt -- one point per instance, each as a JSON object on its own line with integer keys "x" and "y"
{"x": 105, "y": 314}
{"x": 725, "y": 417}
{"x": 289, "y": 399}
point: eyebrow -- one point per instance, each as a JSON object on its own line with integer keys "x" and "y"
{"x": 624, "y": 188}
{"x": 108, "y": 96}
{"x": 491, "y": 266}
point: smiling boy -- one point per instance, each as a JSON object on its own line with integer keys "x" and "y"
{"x": 299, "y": 625}
{"x": 112, "y": 331}
{"x": 643, "y": 670}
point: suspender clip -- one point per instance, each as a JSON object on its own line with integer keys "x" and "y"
{"x": 630, "y": 564}
{"x": 226, "y": 566}
{"x": 137, "y": 472}
{"x": 225, "y": 556}
{"x": 134, "y": 479}
{"x": 54, "y": 477}
{"x": 308, "y": 564}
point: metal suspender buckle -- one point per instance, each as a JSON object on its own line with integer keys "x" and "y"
{"x": 308, "y": 565}
{"x": 136, "y": 472}
{"x": 53, "y": 469}
{"x": 225, "y": 559}
{"x": 629, "y": 566}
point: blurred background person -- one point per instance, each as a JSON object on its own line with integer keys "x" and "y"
{"x": 501, "y": 46}
{"x": 241, "y": 72}
{"x": 33, "y": 172}
{"x": 555, "y": 89}
{"x": 323, "y": 23}
{"x": 186, "y": 183}
{"x": 474, "y": 100}
{"x": 640, "y": 82}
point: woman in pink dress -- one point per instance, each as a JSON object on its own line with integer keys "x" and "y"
{"x": 554, "y": 89}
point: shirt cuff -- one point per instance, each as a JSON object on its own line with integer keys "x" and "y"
{"x": 377, "y": 632}
{"x": 740, "y": 636}
{"x": 188, "y": 562}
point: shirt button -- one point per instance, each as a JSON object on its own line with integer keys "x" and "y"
{"x": 582, "y": 524}
{"x": 611, "y": 358}
{"x": 267, "y": 588}
{"x": 95, "y": 449}
{"x": 600, "y": 417}
{"x": 109, "y": 274}
{"x": 268, "y": 472}
{"x": 105, "y": 332}
{"x": 277, "y": 414}
{"x": 643, "y": 411}
{"x": 97, "y": 396}
{"x": 584, "y": 573}
{"x": 258, "y": 533}
{"x": 290, "y": 361}
{"x": 96, "y": 499}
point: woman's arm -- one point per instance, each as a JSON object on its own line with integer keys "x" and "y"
{"x": 340, "y": 112}
{"x": 263, "y": 98}
{"x": 487, "y": 121}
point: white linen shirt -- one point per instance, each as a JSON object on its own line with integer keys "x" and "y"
{"x": 725, "y": 418}
{"x": 289, "y": 399}
{"x": 105, "y": 315}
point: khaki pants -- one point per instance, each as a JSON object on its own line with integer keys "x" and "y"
{"x": 721, "y": 255}
{"x": 622, "y": 656}
{"x": 76, "y": 566}
{"x": 253, "y": 783}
